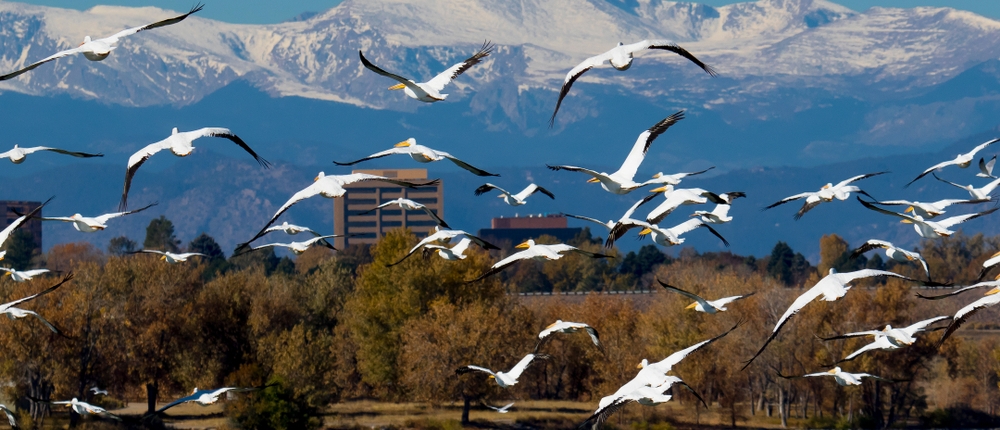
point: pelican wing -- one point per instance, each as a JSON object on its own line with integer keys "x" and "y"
{"x": 8, "y": 305}
{"x": 692, "y": 224}
{"x": 184, "y": 399}
{"x": 887, "y": 212}
{"x": 381, "y": 154}
{"x": 471, "y": 368}
{"x": 968, "y": 311}
{"x": 948, "y": 182}
{"x": 870, "y": 245}
{"x": 668, "y": 363}
{"x": 10, "y": 416}
{"x": 408, "y": 83}
{"x": 920, "y": 326}
{"x": 587, "y": 218}
{"x": 36, "y": 272}
{"x": 727, "y": 300}
{"x": 57, "y": 55}
{"x": 44, "y": 321}
{"x": 931, "y": 169}
{"x": 532, "y": 189}
{"x": 641, "y": 146}
{"x": 485, "y": 188}
{"x": 62, "y": 151}
{"x": 163, "y": 23}
{"x": 503, "y": 264}
{"x": 704, "y": 303}
{"x": 225, "y": 133}
{"x": 475, "y": 170}
{"x": 799, "y": 303}
{"x": 857, "y": 178}
{"x": 855, "y": 334}
{"x": 981, "y": 147}
{"x": 575, "y": 74}
{"x": 578, "y": 169}
{"x": 438, "y": 82}
{"x": 623, "y": 226}
{"x": 788, "y": 199}
{"x": 135, "y": 162}
{"x": 20, "y": 220}
{"x": 948, "y": 222}
{"x": 518, "y": 368}
{"x": 669, "y": 45}
{"x": 321, "y": 240}
{"x": 881, "y": 342}
{"x": 986, "y": 168}
{"x": 961, "y": 290}
{"x": 104, "y": 218}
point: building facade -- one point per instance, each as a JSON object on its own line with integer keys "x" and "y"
{"x": 364, "y": 196}
{"x": 507, "y": 232}
{"x": 33, "y": 226}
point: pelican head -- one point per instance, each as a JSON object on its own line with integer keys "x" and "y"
{"x": 642, "y": 364}
{"x": 86, "y": 39}
{"x": 76, "y": 216}
{"x": 832, "y": 271}
{"x": 408, "y": 142}
{"x": 319, "y": 176}
{"x": 174, "y": 131}
{"x": 195, "y": 390}
{"x": 887, "y": 328}
{"x": 526, "y": 244}
{"x": 397, "y": 87}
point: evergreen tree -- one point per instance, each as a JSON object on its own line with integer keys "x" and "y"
{"x": 649, "y": 257}
{"x": 160, "y": 235}
{"x": 780, "y": 265}
{"x": 215, "y": 259}
{"x": 21, "y": 248}
{"x": 121, "y": 245}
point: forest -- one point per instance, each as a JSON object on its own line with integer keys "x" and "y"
{"x": 328, "y": 327}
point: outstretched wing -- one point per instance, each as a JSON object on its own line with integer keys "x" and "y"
{"x": 788, "y": 199}
{"x": 166, "y": 22}
{"x": 409, "y": 84}
{"x": 134, "y": 163}
{"x": 669, "y": 45}
{"x": 948, "y": 222}
{"x": 870, "y": 245}
{"x": 692, "y": 296}
{"x": 503, "y": 264}
{"x": 575, "y": 74}
{"x": 104, "y": 218}
{"x": 443, "y": 78}
{"x": 471, "y": 368}
{"x": 380, "y": 154}
{"x": 668, "y": 363}
{"x": 65, "y": 152}
{"x": 20, "y": 220}
{"x": 518, "y": 368}
{"x": 485, "y": 188}
{"x": 65, "y": 279}
{"x": 227, "y": 134}
{"x": 57, "y": 55}
{"x": 857, "y": 178}
{"x": 475, "y": 170}
{"x": 641, "y": 146}
{"x": 799, "y": 303}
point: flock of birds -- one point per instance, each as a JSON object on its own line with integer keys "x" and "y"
{"x": 652, "y": 384}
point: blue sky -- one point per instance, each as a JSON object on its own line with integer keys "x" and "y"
{"x": 270, "y": 11}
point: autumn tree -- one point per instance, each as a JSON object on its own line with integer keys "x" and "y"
{"x": 121, "y": 245}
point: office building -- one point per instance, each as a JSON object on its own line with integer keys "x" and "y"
{"x": 364, "y": 196}
{"x": 507, "y": 232}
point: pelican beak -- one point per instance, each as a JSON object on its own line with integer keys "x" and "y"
{"x": 995, "y": 279}
{"x": 909, "y": 258}
{"x": 645, "y": 231}
{"x": 316, "y": 179}
{"x": 906, "y": 221}
{"x": 993, "y": 291}
{"x": 692, "y": 305}
{"x": 523, "y": 245}
{"x": 657, "y": 176}
{"x": 831, "y": 371}
{"x": 826, "y": 186}
{"x": 909, "y": 209}
{"x": 593, "y": 180}
{"x": 500, "y": 196}
{"x": 659, "y": 190}
{"x": 994, "y": 255}
{"x": 638, "y": 366}
{"x": 397, "y": 87}
{"x": 550, "y": 325}
{"x": 402, "y": 144}
{"x": 492, "y": 377}
{"x": 163, "y": 257}
{"x": 7, "y": 274}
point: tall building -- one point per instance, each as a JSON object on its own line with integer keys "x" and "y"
{"x": 33, "y": 226}
{"x": 364, "y": 196}
{"x": 519, "y": 229}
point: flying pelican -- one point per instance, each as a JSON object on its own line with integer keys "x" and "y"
{"x": 19, "y": 221}
{"x": 14, "y": 313}
{"x": 171, "y": 257}
{"x": 10, "y": 415}
{"x": 620, "y": 58}
{"x": 720, "y": 215}
{"x": 991, "y": 284}
{"x": 99, "y": 49}
{"x": 561, "y": 326}
{"x": 181, "y": 145}
{"x": 982, "y": 193}
{"x": 456, "y": 252}
{"x": 410, "y": 205}
{"x": 929, "y": 229}
{"x": 832, "y": 287}
{"x": 645, "y": 395}
{"x": 446, "y": 235}
{"x": 621, "y": 181}
{"x": 21, "y": 276}
{"x": 84, "y": 408}
{"x": 430, "y": 91}
{"x": 888, "y": 337}
{"x": 843, "y": 378}
{"x": 291, "y": 229}
{"x": 665, "y": 237}
{"x": 504, "y": 379}
{"x": 514, "y": 199}
{"x": 841, "y": 191}
{"x": 702, "y": 305}
{"x": 92, "y": 224}
{"x": 538, "y": 252}
{"x": 420, "y": 154}
{"x": 330, "y": 187}
{"x": 961, "y": 160}
{"x": 503, "y": 410}
{"x": 676, "y": 198}
{"x": 986, "y": 168}
{"x": 989, "y": 264}
{"x": 18, "y": 154}
{"x": 674, "y": 179}
{"x": 207, "y": 397}
{"x": 611, "y": 223}
{"x": 97, "y": 391}
{"x": 989, "y": 299}
{"x": 298, "y": 247}
{"x": 892, "y": 251}
{"x": 929, "y": 210}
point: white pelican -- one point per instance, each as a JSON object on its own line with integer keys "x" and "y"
{"x": 929, "y": 210}
{"x": 702, "y": 305}
{"x": 84, "y": 408}
{"x": 720, "y": 214}
{"x": 676, "y": 198}
{"x": 91, "y": 224}
{"x": 888, "y": 337}
{"x": 621, "y": 181}
{"x": 841, "y": 191}
{"x": 981, "y": 193}
{"x": 330, "y": 187}
{"x": 456, "y": 252}
{"x": 665, "y": 237}
{"x": 611, "y": 223}
{"x": 620, "y": 58}
{"x": 430, "y": 91}
{"x": 291, "y": 229}
{"x": 961, "y": 160}
{"x": 989, "y": 299}
{"x": 832, "y": 287}
{"x": 929, "y": 229}
{"x": 409, "y": 205}
{"x": 561, "y": 326}
{"x": 674, "y": 179}
{"x": 99, "y": 49}
{"x": 989, "y": 264}
{"x": 171, "y": 257}
{"x": 420, "y": 154}
{"x": 19, "y": 221}
{"x": 14, "y": 313}
{"x": 504, "y": 379}
{"x": 892, "y": 251}
{"x": 299, "y": 247}
{"x": 645, "y": 395}
{"x": 10, "y": 415}
{"x": 502, "y": 410}
{"x": 843, "y": 378}
{"x": 514, "y": 199}
{"x": 207, "y": 397}
{"x": 18, "y": 154}
{"x": 98, "y": 392}
{"x": 180, "y": 144}
{"x": 538, "y": 252}
{"x": 22, "y": 275}
{"x": 986, "y": 168}
{"x": 446, "y": 235}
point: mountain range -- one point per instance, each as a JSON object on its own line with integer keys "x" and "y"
{"x": 809, "y": 92}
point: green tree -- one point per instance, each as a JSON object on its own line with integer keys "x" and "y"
{"x": 21, "y": 248}
{"x": 160, "y": 235}
{"x": 780, "y": 264}
{"x": 121, "y": 245}
{"x": 644, "y": 262}
{"x": 214, "y": 260}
